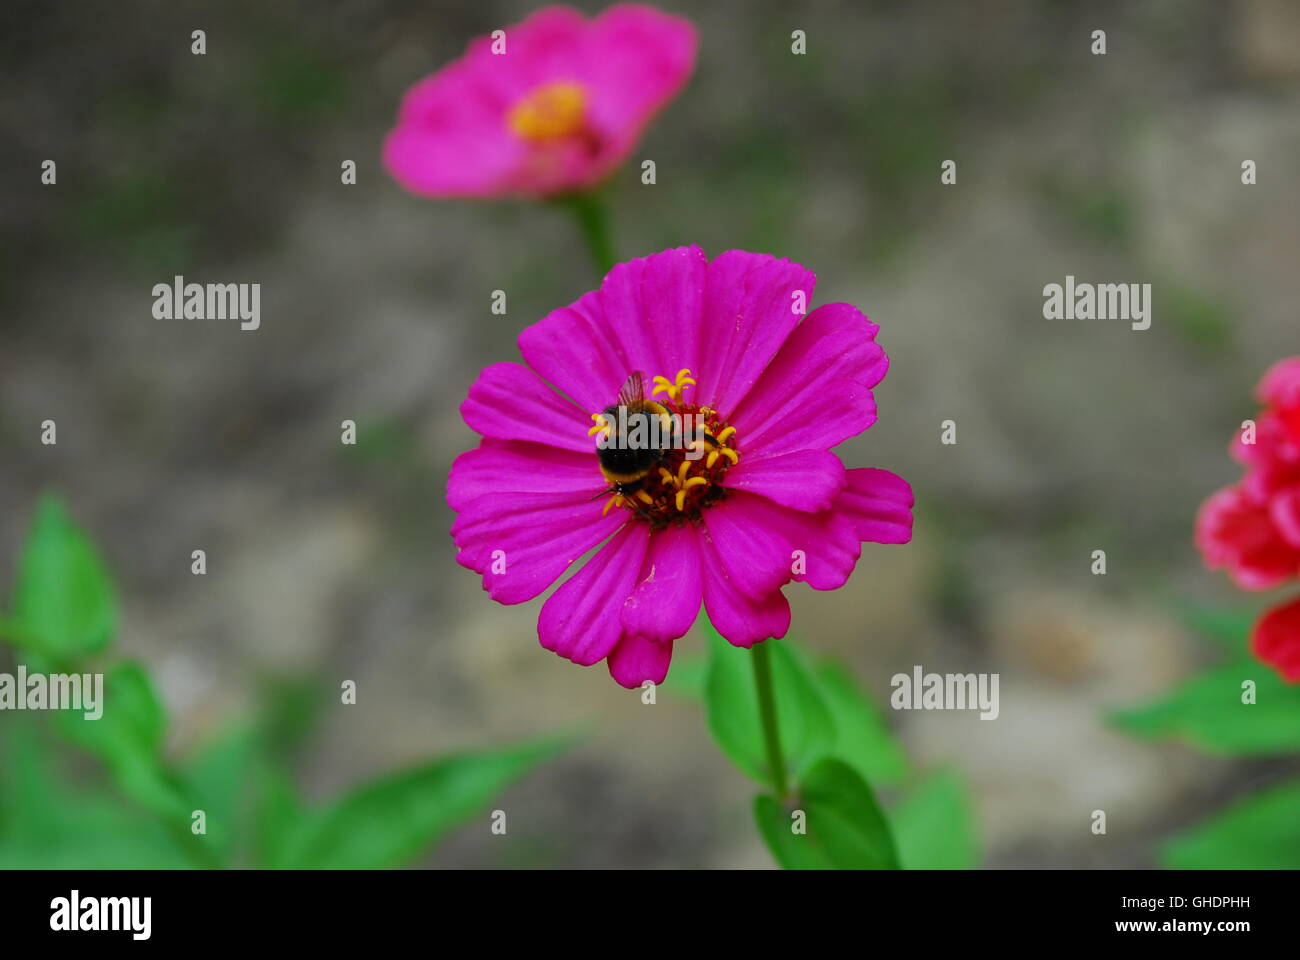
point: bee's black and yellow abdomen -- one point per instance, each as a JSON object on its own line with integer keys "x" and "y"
{"x": 623, "y": 465}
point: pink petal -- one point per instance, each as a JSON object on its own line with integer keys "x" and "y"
{"x": 635, "y": 660}
{"x": 512, "y": 466}
{"x": 538, "y": 534}
{"x": 645, "y": 316}
{"x": 1235, "y": 531}
{"x": 843, "y": 409}
{"x": 878, "y": 505}
{"x": 755, "y": 559}
{"x": 1285, "y": 511}
{"x": 582, "y": 620}
{"x": 743, "y": 621}
{"x": 828, "y": 365}
{"x": 1276, "y": 640}
{"x": 748, "y": 313}
{"x": 808, "y": 480}
{"x": 459, "y": 163}
{"x": 1280, "y": 385}
{"x": 827, "y": 543}
{"x": 509, "y": 402}
{"x": 666, "y": 599}
{"x": 641, "y": 58}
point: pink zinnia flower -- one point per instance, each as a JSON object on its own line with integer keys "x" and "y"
{"x": 1276, "y": 640}
{"x": 555, "y": 109}
{"x": 1253, "y": 527}
{"x": 761, "y": 503}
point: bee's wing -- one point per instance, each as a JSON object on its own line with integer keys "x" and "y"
{"x": 633, "y": 388}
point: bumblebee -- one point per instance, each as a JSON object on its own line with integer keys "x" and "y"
{"x": 627, "y": 458}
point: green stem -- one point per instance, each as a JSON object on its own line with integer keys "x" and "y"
{"x": 589, "y": 211}
{"x": 767, "y": 716}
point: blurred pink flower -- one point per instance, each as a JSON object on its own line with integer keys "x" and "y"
{"x": 555, "y": 109}
{"x": 1253, "y": 527}
{"x": 768, "y": 504}
{"x": 1276, "y": 640}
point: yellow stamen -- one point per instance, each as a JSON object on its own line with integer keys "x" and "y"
{"x": 645, "y": 497}
{"x": 694, "y": 482}
{"x": 616, "y": 499}
{"x": 601, "y": 424}
{"x": 667, "y": 477}
{"x": 681, "y": 472}
{"x": 674, "y": 388}
{"x": 663, "y": 386}
{"x": 681, "y": 500}
{"x": 730, "y": 454}
{"x": 550, "y": 112}
{"x": 711, "y": 460}
{"x": 722, "y": 436}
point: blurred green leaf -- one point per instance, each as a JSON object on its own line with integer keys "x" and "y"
{"x": 845, "y": 828}
{"x": 128, "y": 738}
{"x": 807, "y": 730}
{"x": 776, "y": 827}
{"x": 1208, "y": 712}
{"x": 1261, "y": 832}
{"x": 47, "y": 825}
{"x": 293, "y": 83}
{"x": 279, "y": 810}
{"x": 1102, "y": 210}
{"x": 1227, "y": 625}
{"x": 63, "y": 602}
{"x": 861, "y": 737}
{"x": 1199, "y": 319}
{"x": 219, "y": 779}
{"x": 687, "y": 677}
{"x": 934, "y": 826}
{"x": 393, "y": 820}
{"x": 291, "y": 712}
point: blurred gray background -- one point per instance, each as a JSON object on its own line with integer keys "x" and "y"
{"x": 332, "y": 563}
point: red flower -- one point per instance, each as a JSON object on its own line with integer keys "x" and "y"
{"x": 1253, "y": 528}
{"x": 1276, "y": 640}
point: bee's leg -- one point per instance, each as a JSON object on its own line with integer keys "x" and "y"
{"x": 630, "y": 499}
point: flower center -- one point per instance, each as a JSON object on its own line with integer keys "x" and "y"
{"x": 553, "y": 111}
{"x": 669, "y": 467}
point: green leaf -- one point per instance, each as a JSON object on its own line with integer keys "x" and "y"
{"x": 807, "y": 730}
{"x": 1227, "y": 625}
{"x": 1208, "y": 713}
{"x": 393, "y": 820}
{"x": 45, "y": 824}
{"x": 790, "y": 850}
{"x": 279, "y": 811}
{"x": 218, "y": 779}
{"x": 687, "y": 677}
{"x": 1261, "y": 832}
{"x": 128, "y": 738}
{"x": 861, "y": 737}
{"x": 934, "y": 826}
{"x": 845, "y": 828}
{"x": 63, "y": 602}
